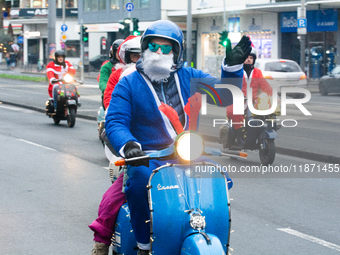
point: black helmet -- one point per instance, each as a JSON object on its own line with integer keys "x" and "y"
{"x": 253, "y": 54}
{"x": 113, "y": 50}
{"x": 59, "y": 53}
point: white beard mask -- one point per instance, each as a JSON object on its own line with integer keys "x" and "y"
{"x": 157, "y": 66}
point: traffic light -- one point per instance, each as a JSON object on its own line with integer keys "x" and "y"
{"x": 85, "y": 34}
{"x": 135, "y": 27}
{"x": 224, "y": 38}
{"x": 126, "y": 30}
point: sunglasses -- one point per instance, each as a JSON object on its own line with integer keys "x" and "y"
{"x": 164, "y": 48}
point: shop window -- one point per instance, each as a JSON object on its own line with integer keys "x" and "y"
{"x": 262, "y": 42}
{"x": 25, "y": 3}
{"x": 94, "y": 5}
{"x": 68, "y": 3}
{"x": 138, "y": 4}
{"x": 102, "y": 4}
{"x": 72, "y": 49}
{"x": 114, "y": 5}
{"x": 212, "y": 54}
{"x": 87, "y": 5}
{"x": 71, "y": 3}
{"x": 15, "y": 3}
{"x": 37, "y": 4}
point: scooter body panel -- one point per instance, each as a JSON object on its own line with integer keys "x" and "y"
{"x": 253, "y": 133}
{"x": 268, "y": 134}
{"x": 124, "y": 239}
{"x": 197, "y": 244}
{"x": 174, "y": 190}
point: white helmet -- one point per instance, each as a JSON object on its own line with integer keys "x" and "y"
{"x": 130, "y": 45}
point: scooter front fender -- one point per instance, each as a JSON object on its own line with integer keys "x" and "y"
{"x": 268, "y": 134}
{"x": 198, "y": 244}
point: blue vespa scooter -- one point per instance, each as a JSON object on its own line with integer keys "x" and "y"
{"x": 188, "y": 202}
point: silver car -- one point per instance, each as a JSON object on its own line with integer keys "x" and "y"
{"x": 282, "y": 73}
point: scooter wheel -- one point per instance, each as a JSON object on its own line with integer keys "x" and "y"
{"x": 71, "y": 118}
{"x": 56, "y": 120}
{"x": 267, "y": 154}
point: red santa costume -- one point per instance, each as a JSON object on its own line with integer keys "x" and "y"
{"x": 55, "y": 71}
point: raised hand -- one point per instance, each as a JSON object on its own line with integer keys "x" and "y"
{"x": 240, "y": 52}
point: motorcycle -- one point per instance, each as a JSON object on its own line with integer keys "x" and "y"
{"x": 67, "y": 101}
{"x": 189, "y": 214}
{"x": 257, "y": 133}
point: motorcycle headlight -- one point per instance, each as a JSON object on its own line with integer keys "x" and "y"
{"x": 190, "y": 146}
{"x": 68, "y": 78}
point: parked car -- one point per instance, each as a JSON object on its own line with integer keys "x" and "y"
{"x": 282, "y": 73}
{"x": 330, "y": 83}
{"x": 97, "y": 61}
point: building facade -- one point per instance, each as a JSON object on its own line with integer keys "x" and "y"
{"x": 31, "y": 16}
{"x": 272, "y": 27}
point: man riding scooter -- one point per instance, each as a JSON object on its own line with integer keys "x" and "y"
{"x": 108, "y": 68}
{"x": 56, "y": 70}
{"x": 253, "y": 78}
{"x": 134, "y": 123}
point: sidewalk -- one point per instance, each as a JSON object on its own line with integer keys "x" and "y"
{"x": 34, "y": 73}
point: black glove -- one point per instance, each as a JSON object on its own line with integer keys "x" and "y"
{"x": 240, "y": 52}
{"x": 54, "y": 81}
{"x": 132, "y": 150}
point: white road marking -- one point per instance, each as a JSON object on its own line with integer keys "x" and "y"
{"x": 107, "y": 168}
{"x": 25, "y": 141}
{"x": 13, "y": 108}
{"x": 310, "y": 238}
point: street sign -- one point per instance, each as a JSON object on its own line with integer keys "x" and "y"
{"x": 64, "y": 27}
{"x": 29, "y": 34}
{"x": 63, "y": 37}
{"x": 129, "y": 7}
{"x": 20, "y": 39}
{"x": 302, "y": 22}
{"x": 104, "y": 43}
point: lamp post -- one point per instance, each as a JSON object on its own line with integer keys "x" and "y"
{"x": 302, "y": 31}
{"x": 189, "y": 34}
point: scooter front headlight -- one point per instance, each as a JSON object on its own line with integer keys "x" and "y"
{"x": 68, "y": 78}
{"x": 190, "y": 146}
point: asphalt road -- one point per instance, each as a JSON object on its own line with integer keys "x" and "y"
{"x": 53, "y": 177}
{"x": 315, "y": 137}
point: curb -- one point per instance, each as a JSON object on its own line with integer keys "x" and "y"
{"x": 33, "y": 108}
{"x": 280, "y": 150}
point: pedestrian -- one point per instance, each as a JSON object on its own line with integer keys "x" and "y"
{"x": 13, "y": 59}
{"x": 8, "y": 60}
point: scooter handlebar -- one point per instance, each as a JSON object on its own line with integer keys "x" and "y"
{"x": 120, "y": 162}
{"x": 123, "y": 162}
{"x": 56, "y": 81}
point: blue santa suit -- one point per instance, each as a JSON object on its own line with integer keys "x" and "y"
{"x": 133, "y": 115}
